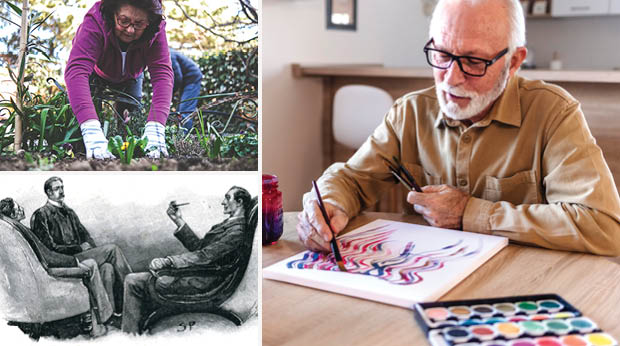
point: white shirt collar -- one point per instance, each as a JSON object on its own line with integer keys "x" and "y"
{"x": 55, "y": 204}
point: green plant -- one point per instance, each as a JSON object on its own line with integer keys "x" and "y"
{"x": 240, "y": 145}
{"x": 210, "y": 139}
{"x": 125, "y": 150}
{"x": 46, "y": 125}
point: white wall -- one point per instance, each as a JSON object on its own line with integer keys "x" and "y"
{"x": 582, "y": 43}
{"x": 388, "y": 32}
{"x": 293, "y": 31}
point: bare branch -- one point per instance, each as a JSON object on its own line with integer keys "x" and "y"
{"x": 226, "y": 39}
{"x": 249, "y": 11}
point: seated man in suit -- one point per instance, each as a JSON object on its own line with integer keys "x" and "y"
{"x": 101, "y": 291}
{"x": 60, "y": 229}
{"x": 227, "y": 244}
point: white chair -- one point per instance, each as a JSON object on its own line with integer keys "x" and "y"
{"x": 358, "y": 110}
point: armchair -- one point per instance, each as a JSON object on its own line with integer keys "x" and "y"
{"x": 229, "y": 299}
{"x": 31, "y": 297}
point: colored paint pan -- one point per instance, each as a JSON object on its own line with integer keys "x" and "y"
{"x": 509, "y": 330}
{"x": 507, "y": 309}
{"x": 460, "y": 312}
{"x": 472, "y": 322}
{"x": 557, "y": 327}
{"x": 563, "y": 314}
{"x": 551, "y": 305}
{"x": 483, "y": 332}
{"x": 528, "y": 307}
{"x": 517, "y": 319}
{"x": 582, "y": 324}
{"x": 437, "y": 314}
{"x": 494, "y": 320}
{"x": 483, "y": 310}
{"x": 457, "y": 334}
{"x": 548, "y": 341}
{"x": 540, "y": 317}
{"x": 522, "y": 342}
{"x": 533, "y": 328}
{"x": 573, "y": 340}
{"x": 600, "y": 339}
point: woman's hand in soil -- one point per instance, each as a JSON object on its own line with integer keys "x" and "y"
{"x": 155, "y": 134}
{"x": 95, "y": 142}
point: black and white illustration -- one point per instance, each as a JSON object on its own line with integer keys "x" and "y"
{"x": 132, "y": 256}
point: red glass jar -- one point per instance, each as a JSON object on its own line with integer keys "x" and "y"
{"x": 272, "y": 210}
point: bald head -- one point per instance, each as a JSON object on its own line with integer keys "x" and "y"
{"x": 498, "y": 21}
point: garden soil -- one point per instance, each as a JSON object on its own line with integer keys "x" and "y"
{"x": 17, "y": 163}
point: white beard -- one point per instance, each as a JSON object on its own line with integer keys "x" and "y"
{"x": 477, "y": 103}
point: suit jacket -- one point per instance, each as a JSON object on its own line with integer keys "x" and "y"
{"x": 60, "y": 229}
{"x": 227, "y": 245}
{"x": 223, "y": 244}
{"x": 48, "y": 258}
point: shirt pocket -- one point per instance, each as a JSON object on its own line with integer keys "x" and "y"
{"x": 421, "y": 176}
{"x": 521, "y": 188}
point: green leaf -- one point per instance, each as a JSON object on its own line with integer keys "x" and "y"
{"x": 38, "y": 24}
{"x": 42, "y": 52}
{"x": 15, "y": 9}
{"x": 16, "y": 109}
{"x": 42, "y": 136}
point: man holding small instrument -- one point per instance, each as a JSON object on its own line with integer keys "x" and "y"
{"x": 225, "y": 245}
{"x": 495, "y": 153}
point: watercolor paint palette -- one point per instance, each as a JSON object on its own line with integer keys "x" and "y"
{"x": 535, "y": 320}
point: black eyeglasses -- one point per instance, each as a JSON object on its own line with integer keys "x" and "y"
{"x": 126, "y": 22}
{"x": 470, "y": 65}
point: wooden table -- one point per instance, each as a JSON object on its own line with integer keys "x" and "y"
{"x": 296, "y": 315}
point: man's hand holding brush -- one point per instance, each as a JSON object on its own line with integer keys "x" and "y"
{"x": 312, "y": 228}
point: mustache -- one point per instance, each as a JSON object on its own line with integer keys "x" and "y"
{"x": 457, "y": 90}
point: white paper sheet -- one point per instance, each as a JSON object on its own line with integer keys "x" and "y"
{"x": 392, "y": 262}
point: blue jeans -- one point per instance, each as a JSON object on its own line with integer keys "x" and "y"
{"x": 132, "y": 87}
{"x": 190, "y": 88}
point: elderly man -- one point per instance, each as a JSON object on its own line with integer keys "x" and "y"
{"x": 13, "y": 213}
{"x": 499, "y": 154}
{"x": 60, "y": 229}
{"x": 228, "y": 245}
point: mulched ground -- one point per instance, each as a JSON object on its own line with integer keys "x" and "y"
{"x": 19, "y": 163}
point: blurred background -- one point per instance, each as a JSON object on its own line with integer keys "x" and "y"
{"x": 384, "y": 49}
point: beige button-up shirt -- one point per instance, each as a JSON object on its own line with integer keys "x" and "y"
{"x": 532, "y": 167}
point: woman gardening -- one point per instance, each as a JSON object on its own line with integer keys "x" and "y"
{"x": 112, "y": 47}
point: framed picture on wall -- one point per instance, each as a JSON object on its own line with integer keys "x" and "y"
{"x": 342, "y": 14}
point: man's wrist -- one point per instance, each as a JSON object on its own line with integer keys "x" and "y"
{"x": 168, "y": 261}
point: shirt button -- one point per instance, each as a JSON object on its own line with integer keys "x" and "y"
{"x": 466, "y": 139}
{"x": 463, "y": 182}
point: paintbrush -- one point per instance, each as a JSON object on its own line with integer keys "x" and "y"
{"x": 333, "y": 242}
{"x": 408, "y": 177}
{"x": 398, "y": 177}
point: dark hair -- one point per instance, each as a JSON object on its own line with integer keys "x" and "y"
{"x": 243, "y": 195}
{"x": 151, "y": 7}
{"x": 6, "y": 207}
{"x": 48, "y": 183}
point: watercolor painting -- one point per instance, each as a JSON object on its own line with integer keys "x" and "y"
{"x": 366, "y": 253}
{"x": 392, "y": 262}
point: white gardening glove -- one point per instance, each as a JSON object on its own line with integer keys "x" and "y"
{"x": 155, "y": 134}
{"x": 95, "y": 142}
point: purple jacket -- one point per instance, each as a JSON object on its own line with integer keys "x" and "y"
{"x": 96, "y": 48}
